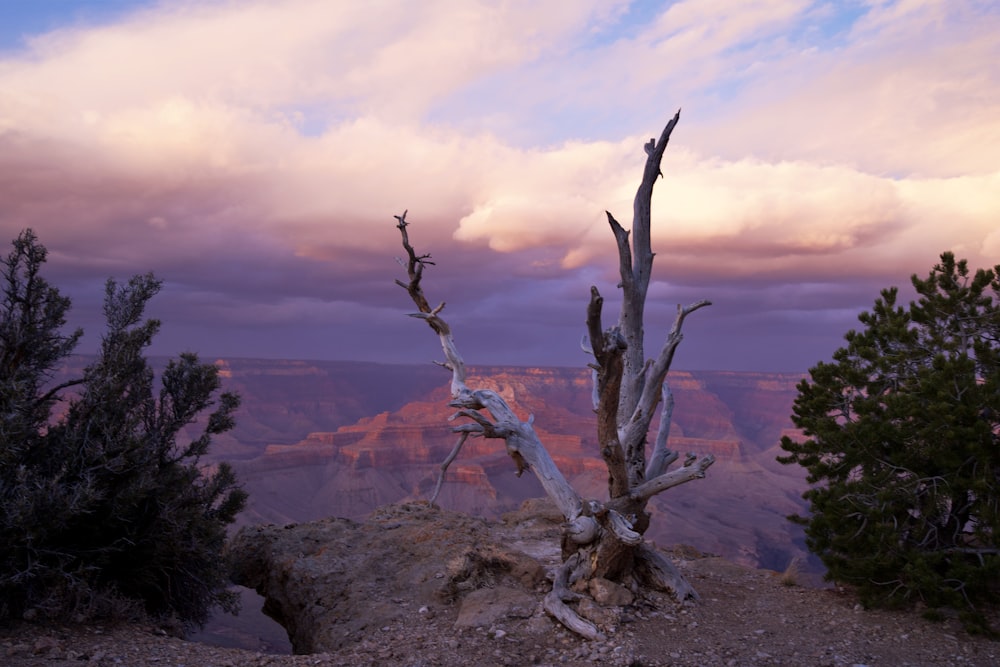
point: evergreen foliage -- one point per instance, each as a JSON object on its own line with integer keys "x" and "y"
{"x": 108, "y": 503}
{"x": 903, "y": 447}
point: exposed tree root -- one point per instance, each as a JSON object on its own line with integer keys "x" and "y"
{"x": 656, "y": 571}
{"x": 555, "y": 602}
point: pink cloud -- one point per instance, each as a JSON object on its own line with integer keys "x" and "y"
{"x": 243, "y": 148}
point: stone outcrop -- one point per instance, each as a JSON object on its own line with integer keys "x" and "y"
{"x": 335, "y": 582}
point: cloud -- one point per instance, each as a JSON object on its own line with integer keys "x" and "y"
{"x": 349, "y": 59}
{"x": 909, "y": 91}
{"x": 716, "y": 219}
{"x": 253, "y": 153}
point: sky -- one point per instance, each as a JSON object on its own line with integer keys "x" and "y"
{"x": 253, "y": 153}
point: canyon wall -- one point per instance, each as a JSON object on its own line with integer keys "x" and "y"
{"x": 318, "y": 439}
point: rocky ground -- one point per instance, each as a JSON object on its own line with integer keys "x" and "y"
{"x": 744, "y": 617}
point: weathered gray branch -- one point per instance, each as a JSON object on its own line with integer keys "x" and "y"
{"x": 693, "y": 468}
{"x": 601, "y": 539}
{"x": 636, "y": 428}
{"x": 622, "y": 529}
{"x": 608, "y": 347}
{"x": 555, "y": 602}
{"x": 663, "y": 456}
{"x": 523, "y": 444}
{"x": 640, "y": 264}
{"x": 447, "y": 462}
{"x": 415, "y": 269}
{"x": 642, "y": 381}
{"x": 658, "y": 572}
{"x": 624, "y": 254}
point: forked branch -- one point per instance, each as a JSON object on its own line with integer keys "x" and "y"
{"x": 414, "y": 267}
{"x": 600, "y": 539}
{"x": 608, "y": 347}
{"x": 464, "y": 435}
{"x": 635, "y": 430}
{"x": 415, "y": 270}
{"x": 522, "y": 442}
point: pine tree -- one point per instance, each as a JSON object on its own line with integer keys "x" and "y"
{"x": 903, "y": 447}
{"x": 31, "y": 346}
{"x": 107, "y": 503}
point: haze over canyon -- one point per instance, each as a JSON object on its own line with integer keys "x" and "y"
{"x": 318, "y": 439}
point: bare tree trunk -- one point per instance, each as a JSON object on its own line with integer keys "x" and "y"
{"x": 601, "y": 539}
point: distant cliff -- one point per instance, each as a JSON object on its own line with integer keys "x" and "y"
{"x": 318, "y": 439}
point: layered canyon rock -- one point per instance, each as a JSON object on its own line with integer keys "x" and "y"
{"x": 320, "y": 439}
{"x": 315, "y": 440}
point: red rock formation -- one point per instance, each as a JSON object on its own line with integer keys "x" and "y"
{"x": 315, "y": 439}
{"x": 394, "y": 454}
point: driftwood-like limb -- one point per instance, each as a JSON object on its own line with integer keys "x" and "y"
{"x": 414, "y": 267}
{"x": 629, "y": 320}
{"x": 483, "y": 425}
{"x": 635, "y": 267}
{"x": 693, "y": 468}
{"x": 595, "y": 394}
{"x": 522, "y": 442}
{"x": 642, "y": 252}
{"x": 657, "y": 372}
{"x": 608, "y": 347}
{"x": 656, "y": 571}
{"x": 555, "y": 603}
{"x": 624, "y": 254}
{"x": 641, "y": 263}
{"x": 600, "y": 539}
{"x": 622, "y": 529}
{"x": 454, "y": 361}
{"x": 662, "y": 456}
{"x": 637, "y": 427}
{"x": 415, "y": 270}
{"x": 526, "y": 443}
{"x": 447, "y": 462}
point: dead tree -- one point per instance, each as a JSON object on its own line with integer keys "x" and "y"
{"x": 602, "y": 539}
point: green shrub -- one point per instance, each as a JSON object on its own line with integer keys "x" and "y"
{"x": 106, "y": 505}
{"x": 903, "y": 448}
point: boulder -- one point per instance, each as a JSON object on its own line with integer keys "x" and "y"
{"x": 608, "y": 593}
